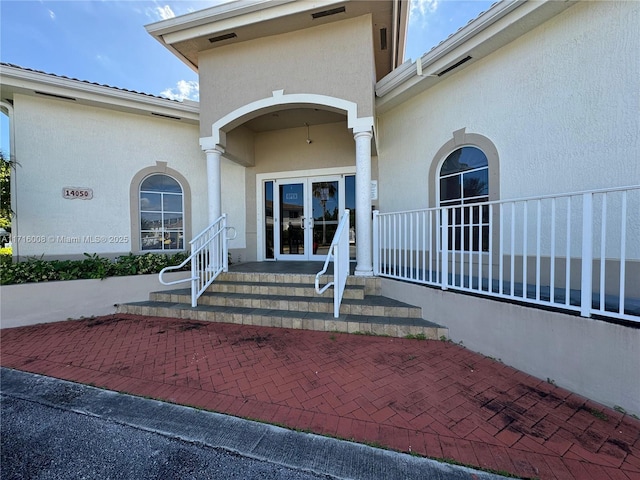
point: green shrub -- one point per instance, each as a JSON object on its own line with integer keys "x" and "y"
{"x": 92, "y": 266}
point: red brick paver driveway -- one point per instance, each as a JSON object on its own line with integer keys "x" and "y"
{"x": 428, "y": 397}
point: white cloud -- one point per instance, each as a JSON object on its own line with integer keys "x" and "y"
{"x": 159, "y": 12}
{"x": 184, "y": 89}
{"x": 52, "y": 15}
{"x": 165, "y": 9}
{"x": 165, "y": 12}
{"x": 419, "y": 9}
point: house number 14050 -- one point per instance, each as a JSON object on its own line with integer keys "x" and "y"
{"x": 73, "y": 193}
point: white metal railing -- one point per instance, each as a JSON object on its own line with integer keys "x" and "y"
{"x": 209, "y": 258}
{"x": 576, "y": 251}
{"x": 339, "y": 250}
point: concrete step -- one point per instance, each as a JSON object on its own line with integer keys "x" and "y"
{"x": 369, "y": 306}
{"x": 372, "y": 285}
{"x": 290, "y": 301}
{"x": 276, "y": 288}
{"x": 375, "y": 325}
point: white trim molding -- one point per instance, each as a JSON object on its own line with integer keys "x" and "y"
{"x": 275, "y": 102}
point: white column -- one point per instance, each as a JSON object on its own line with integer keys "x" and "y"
{"x": 214, "y": 183}
{"x": 364, "y": 264}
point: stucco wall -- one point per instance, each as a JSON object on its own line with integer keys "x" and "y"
{"x": 282, "y": 150}
{"x": 61, "y": 144}
{"x": 560, "y": 104}
{"x": 593, "y": 358}
{"x": 45, "y": 302}
{"x": 234, "y": 200}
{"x": 334, "y": 59}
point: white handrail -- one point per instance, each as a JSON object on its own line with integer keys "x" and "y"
{"x": 187, "y": 260}
{"x": 339, "y": 250}
{"x": 209, "y": 258}
{"x": 548, "y": 196}
{"x": 573, "y": 251}
{"x": 175, "y": 267}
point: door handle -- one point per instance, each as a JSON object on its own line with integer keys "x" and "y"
{"x": 302, "y": 223}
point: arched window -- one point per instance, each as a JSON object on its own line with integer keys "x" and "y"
{"x": 161, "y": 213}
{"x": 464, "y": 181}
{"x": 464, "y": 177}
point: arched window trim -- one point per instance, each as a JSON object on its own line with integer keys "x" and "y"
{"x": 160, "y": 168}
{"x": 462, "y": 139}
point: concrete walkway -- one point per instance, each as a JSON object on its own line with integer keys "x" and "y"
{"x": 430, "y": 398}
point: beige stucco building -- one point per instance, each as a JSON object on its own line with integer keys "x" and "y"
{"x": 309, "y": 108}
{"x": 293, "y": 90}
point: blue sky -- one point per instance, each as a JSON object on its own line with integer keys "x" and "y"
{"x": 106, "y": 42}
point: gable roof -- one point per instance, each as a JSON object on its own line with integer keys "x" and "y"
{"x": 241, "y": 20}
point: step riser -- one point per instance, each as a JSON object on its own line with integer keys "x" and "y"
{"x": 431, "y": 333}
{"x": 291, "y": 305}
{"x": 354, "y": 293}
{"x": 373, "y": 285}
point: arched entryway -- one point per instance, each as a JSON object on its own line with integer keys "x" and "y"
{"x": 361, "y": 129}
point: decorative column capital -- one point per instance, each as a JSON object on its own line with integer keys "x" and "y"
{"x": 361, "y": 134}
{"x": 209, "y": 145}
{"x": 362, "y": 124}
{"x": 217, "y": 150}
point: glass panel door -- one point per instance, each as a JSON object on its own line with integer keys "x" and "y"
{"x": 291, "y": 221}
{"x": 325, "y": 213}
{"x": 350, "y": 203}
{"x": 301, "y": 216}
{"x": 269, "y": 216}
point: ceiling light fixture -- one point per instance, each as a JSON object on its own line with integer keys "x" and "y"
{"x": 308, "y": 139}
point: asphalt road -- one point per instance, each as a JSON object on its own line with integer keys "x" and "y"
{"x": 52, "y": 429}
{"x": 43, "y": 442}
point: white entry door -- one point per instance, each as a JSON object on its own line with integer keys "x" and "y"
{"x": 306, "y": 212}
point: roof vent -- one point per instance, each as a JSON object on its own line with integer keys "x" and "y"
{"x": 165, "y": 116}
{"x": 455, "y": 65}
{"x": 61, "y": 97}
{"x": 383, "y": 38}
{"x": 226, "y": 36}
{"x": 326, "y": 13}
